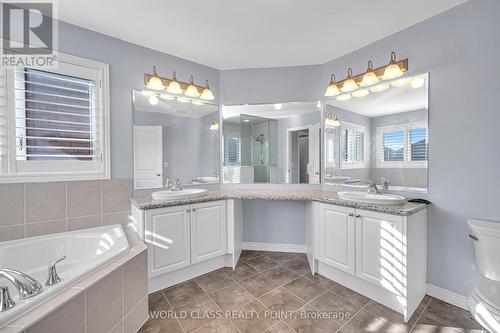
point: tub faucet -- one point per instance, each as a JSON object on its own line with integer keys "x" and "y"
{"x": 177, "y": 186}
{"x": 26, "y": 286}
{"x": 373, "y": 188}
{"x": 6, "y": 302}
{"x": 53, "y": 278}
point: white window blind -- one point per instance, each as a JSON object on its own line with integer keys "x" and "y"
{"x": 352, "y": 142}
{"x": 403, "y": 146}
{"x": 57, "y": 122}
{"x": 331, "y": 147}
{"x": 232, "y": 152}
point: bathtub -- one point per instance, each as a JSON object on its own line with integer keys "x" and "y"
{"x": 85, "y": 250}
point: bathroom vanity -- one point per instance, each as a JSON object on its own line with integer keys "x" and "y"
{"x": 376, "y": 250}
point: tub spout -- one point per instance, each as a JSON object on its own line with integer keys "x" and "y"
{"x": 26, "y": 286}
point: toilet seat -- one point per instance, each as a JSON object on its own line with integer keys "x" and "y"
{"x": 484, "y": 304}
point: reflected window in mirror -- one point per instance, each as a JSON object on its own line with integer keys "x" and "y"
{"x": 379, "y": 135}
{"x": 272, "y": 143}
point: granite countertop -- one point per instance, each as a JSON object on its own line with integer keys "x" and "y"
{"x": 147, "y": 202}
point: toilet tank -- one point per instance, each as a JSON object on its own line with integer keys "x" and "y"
{"x": 486, "y": 236}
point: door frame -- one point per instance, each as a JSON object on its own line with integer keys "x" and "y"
{"x": 289, "y": 148}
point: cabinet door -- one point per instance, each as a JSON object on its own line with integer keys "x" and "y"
{"x": 336, "y": 237}
{"x": 208, "y": 231}
{"x": 167, "y": 237}
{"x": 379, "y": 250}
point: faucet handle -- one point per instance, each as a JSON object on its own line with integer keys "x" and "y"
{"x": 53, "y": 278}
{"x": 6, "y": 302}
{"x": 168, "y": 184}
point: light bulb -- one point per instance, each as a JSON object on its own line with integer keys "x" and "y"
{"x": 183, "y": 100}
{"x": 174, "y": 87}
{"x": 278, "y": 106}
{"x": 332, "y": 120}
{"x": 214, "y": 126}
{"x": 417, "y": 82}
{"x": 343, "y": 98}
{"x": 318, "y": 104}
{"x": 361, "y": 93}
{"x": 207, "y": 94}
{"x": 392, "y": 71}
{"x": 332, "y": 89}
{"x": 192, "y": 90}
{"x": 167, "y": 97}
{"x": 349, "y": 84}
{"x": 370, "y": 78}
{"x": 153, "y": 100}
{"x": 380, "y": 88}
{"x": 155, "y": 82}
{"x": 401, "y": 82}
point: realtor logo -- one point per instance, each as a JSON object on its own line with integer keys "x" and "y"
{"x": 28, "y": 31}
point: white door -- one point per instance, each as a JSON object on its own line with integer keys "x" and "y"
{"x": 208, "y": 230}
{"x": 336, "y": 237}
{"x": 167, "y": 235}
{"x": 148, "y": 157}
{"x": 314, "y": 154}
{"x": 379, "y": 250}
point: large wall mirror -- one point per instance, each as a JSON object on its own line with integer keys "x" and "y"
{"x": 378, "y": 133}
{"x": 174, "y": 138}
{"x": 272, "y": 143}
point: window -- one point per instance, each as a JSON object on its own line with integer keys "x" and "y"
{"x": 56, "y": 124}
{"x": 402, "y": 146}
{"x": 232, "y": 152}
{"x": 331, "y": 149}
{"x": 352, "y": 141}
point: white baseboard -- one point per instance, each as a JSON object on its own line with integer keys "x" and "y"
{"x": 447, "y": 296}
{"x": 274, "y": 247}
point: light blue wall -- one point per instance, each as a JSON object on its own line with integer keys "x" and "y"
{"x": 128, "y": 63}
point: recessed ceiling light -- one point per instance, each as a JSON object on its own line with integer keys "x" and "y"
{"x": 278, "y": 106}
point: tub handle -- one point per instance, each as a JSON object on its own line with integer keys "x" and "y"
{"x": 53, "y": 278}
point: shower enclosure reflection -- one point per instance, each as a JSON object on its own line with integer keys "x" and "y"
{"x": 269, "y": 144}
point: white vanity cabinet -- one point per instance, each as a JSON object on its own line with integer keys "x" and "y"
{"x": 180, "y": 236}
{"x": 336, "y": 237}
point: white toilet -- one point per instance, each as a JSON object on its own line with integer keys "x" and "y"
{"x": 484, "y": 300}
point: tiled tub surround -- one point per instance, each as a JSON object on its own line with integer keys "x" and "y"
{"x": 113, "y": 299}
{"x": 35, "y": 209}
{"x": 286, "y": 286}
{"x": 147, "y": 202}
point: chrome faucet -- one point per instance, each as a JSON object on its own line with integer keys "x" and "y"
{"x": 177, "y": 186}
{"x": 168, "y": 184}
{"x": 6, "y": 302}
{"x": 26, "y": 286}
{"x": 53, "y": 278}
{"x": 373, "y": 188}
{"x": 385, "y": 183}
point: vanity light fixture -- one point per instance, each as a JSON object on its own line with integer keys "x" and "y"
{"x": 278, "y": 106}
{"x": 207, "y": 94}
{"x": 417, "y": 82}
{"x": 361, "y": 93}
{"x": 332, "y": 121}
{"x": 154, "y": 82}
{"x": 332, "y": 89}
{"x": 380, "y": 88}
{"x": 191, "y": 90}
{"x": 392, "y": 71}
{"x": 369, "y": 78}
{"x": 349, "y": 83}
{"x": 344, "y": 97}
{"x": 174, "y": 87}
{"x": 153, "y": 100}
{"x": 214, "y": 126}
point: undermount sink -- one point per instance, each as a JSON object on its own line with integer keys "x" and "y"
{"x": 176, "y": 195}
{"x": 372, "y": 198}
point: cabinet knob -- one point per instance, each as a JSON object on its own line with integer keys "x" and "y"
{"x": 351, "y": 214}
{"x": 358, "y": 216}
{"x": 194, "y": 209}
{"x": 188, "y": 211}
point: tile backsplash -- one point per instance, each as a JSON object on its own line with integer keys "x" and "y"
{"x": 34, "y": 209}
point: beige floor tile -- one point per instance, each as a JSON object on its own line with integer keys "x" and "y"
{"x": 258, "y": 285}
{"x": 197, "y": 313}
{"x": 184, "y": 293}
{"x": 281, "y": 327}
{"x": 281, "y": 275}
{"x": 242, "y": 272}
{"x": 350, "y": 295}
{"x": 304, "y": 288}
{"x": 231, "y": 297}
{"x": 281, "y": 300}
{"x": 367, "y": 322}
{"x": 248, "y": 255}
{"x": 309, "y": 320}
{"x": 256, "y": 320}
{"x": 281, "y": 257}
{"x": 262, "y": 263}
{"x": 218, "y": 326}
{"x": 214, "y": 281}
{"x": 299, "y": 265}
{"x": 321, "y": 280}
{"x": 341, "y": 309}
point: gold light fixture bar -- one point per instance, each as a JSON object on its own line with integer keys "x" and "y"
{"x": 166, "y": 82}
{"x": 379, "y": 72}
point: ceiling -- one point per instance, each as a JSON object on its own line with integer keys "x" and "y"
{"x": 188, "y": 110}
{"x": 393, "y": 101}
{"x": 228, "y": 34}
{"x": 269, "y": 111}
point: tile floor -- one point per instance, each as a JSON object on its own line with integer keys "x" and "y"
{"x": 275, "y": 293}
